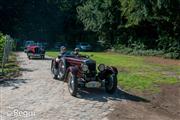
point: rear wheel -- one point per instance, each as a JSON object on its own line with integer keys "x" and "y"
{"x": 111, "y": 84}
{"x": 53, "y": 70}
{"x": 52, "y": 66}
{"x": 72, "y": 84}
{"x": 62, "y": 69}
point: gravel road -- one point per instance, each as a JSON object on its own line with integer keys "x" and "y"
{"x": 35, "y": 95}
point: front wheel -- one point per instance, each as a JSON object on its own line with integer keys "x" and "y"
{"x": 72, "y": 84}
{"x": 111, "y": 84}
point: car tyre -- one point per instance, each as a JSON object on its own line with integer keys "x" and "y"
{"x": 52, "y": 66}
{"x": 62, "y": 69}
{"x": 111, "y": 84}
{"x": 72, "y": 84}
{"x": 53, "y": 70}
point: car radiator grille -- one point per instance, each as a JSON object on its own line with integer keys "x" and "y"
{"x": 37, "y": 50}
{"x": 91, "y": 66}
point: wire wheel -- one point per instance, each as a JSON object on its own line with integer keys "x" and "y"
{"x": 72, "y": 84}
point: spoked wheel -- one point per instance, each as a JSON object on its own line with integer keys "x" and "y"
{"x": 52, "y": 66}
{"x": 62, "y": 69}
{"x": 72, "y": 84}
{"x": 111, "y": 84}
{"x": 53, "y": 69}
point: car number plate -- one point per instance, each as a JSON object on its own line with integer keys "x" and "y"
{"x": 36, "y": 55}
{"x": 93, "y": 84}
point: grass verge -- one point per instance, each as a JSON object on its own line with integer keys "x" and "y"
{"x": 11, "y": 68}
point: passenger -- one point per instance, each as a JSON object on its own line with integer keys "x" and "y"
{"x": 76, "y": 52}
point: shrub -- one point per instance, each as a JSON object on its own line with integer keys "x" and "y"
{"x": 2, "y": 40}
{"x": 142, "y": 52}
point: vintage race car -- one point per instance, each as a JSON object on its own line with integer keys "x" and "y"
{"x": 35, "y": 52}
{"x": 80, "y": 72}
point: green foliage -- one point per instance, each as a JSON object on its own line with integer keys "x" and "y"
{"x": 134, "y": 11}
{"x": 137, "y": 24}
{"x": 2, "y": 40}
{"x": 139, "y": 50}
{"x": 95, "y": 14}
{"x": 101, "y": 16}
{"x": 66, "y": 5}
{"x": 11, "y": 69}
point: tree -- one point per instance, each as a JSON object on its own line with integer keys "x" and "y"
{"x": 101, "y": 16}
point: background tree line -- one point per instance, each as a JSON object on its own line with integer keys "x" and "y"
{"x": 129, "y": 26}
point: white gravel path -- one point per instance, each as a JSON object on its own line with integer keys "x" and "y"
{"x": 35, "y": 95}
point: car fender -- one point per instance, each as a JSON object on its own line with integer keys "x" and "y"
{"x": 73, "y": 70}
{"x": 114, "y": 69}
{"x": 108, "y": 71}
{"x": 111, "y": 70}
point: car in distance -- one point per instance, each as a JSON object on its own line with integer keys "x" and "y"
{"x": 27, "y": 44}
{"x": 83, "y": 46}
{"x": 80, "y": 72}
{"x": 35, "y": 51}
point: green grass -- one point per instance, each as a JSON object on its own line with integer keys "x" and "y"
{"x": 136, "y": 74}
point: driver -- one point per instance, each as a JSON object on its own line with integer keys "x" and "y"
{"x": 63, "y": 51}
{"x": 60, "y": 61}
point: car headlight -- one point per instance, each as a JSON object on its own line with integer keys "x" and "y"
{"x": 101, "y": 67}
{"x": 84, "y": 67}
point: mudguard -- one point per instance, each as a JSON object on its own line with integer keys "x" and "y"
{"x": 114, "y": 69}
{"x": 108, "y": 71}
{"x": 73, "y": 70}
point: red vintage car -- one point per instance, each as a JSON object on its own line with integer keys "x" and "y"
{"x": 35, "y": 51}
{"x": 80, "y": 71}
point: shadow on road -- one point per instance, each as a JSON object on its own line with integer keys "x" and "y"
{"x": 47, "y": 59}
{"x": 26, "y": 70}
{"x": 101, "y": 96}
{"x": 15, "y": 83}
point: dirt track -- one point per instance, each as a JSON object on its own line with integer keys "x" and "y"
{"x": 35, "y": 95}
{"x": 162, "y": 106}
